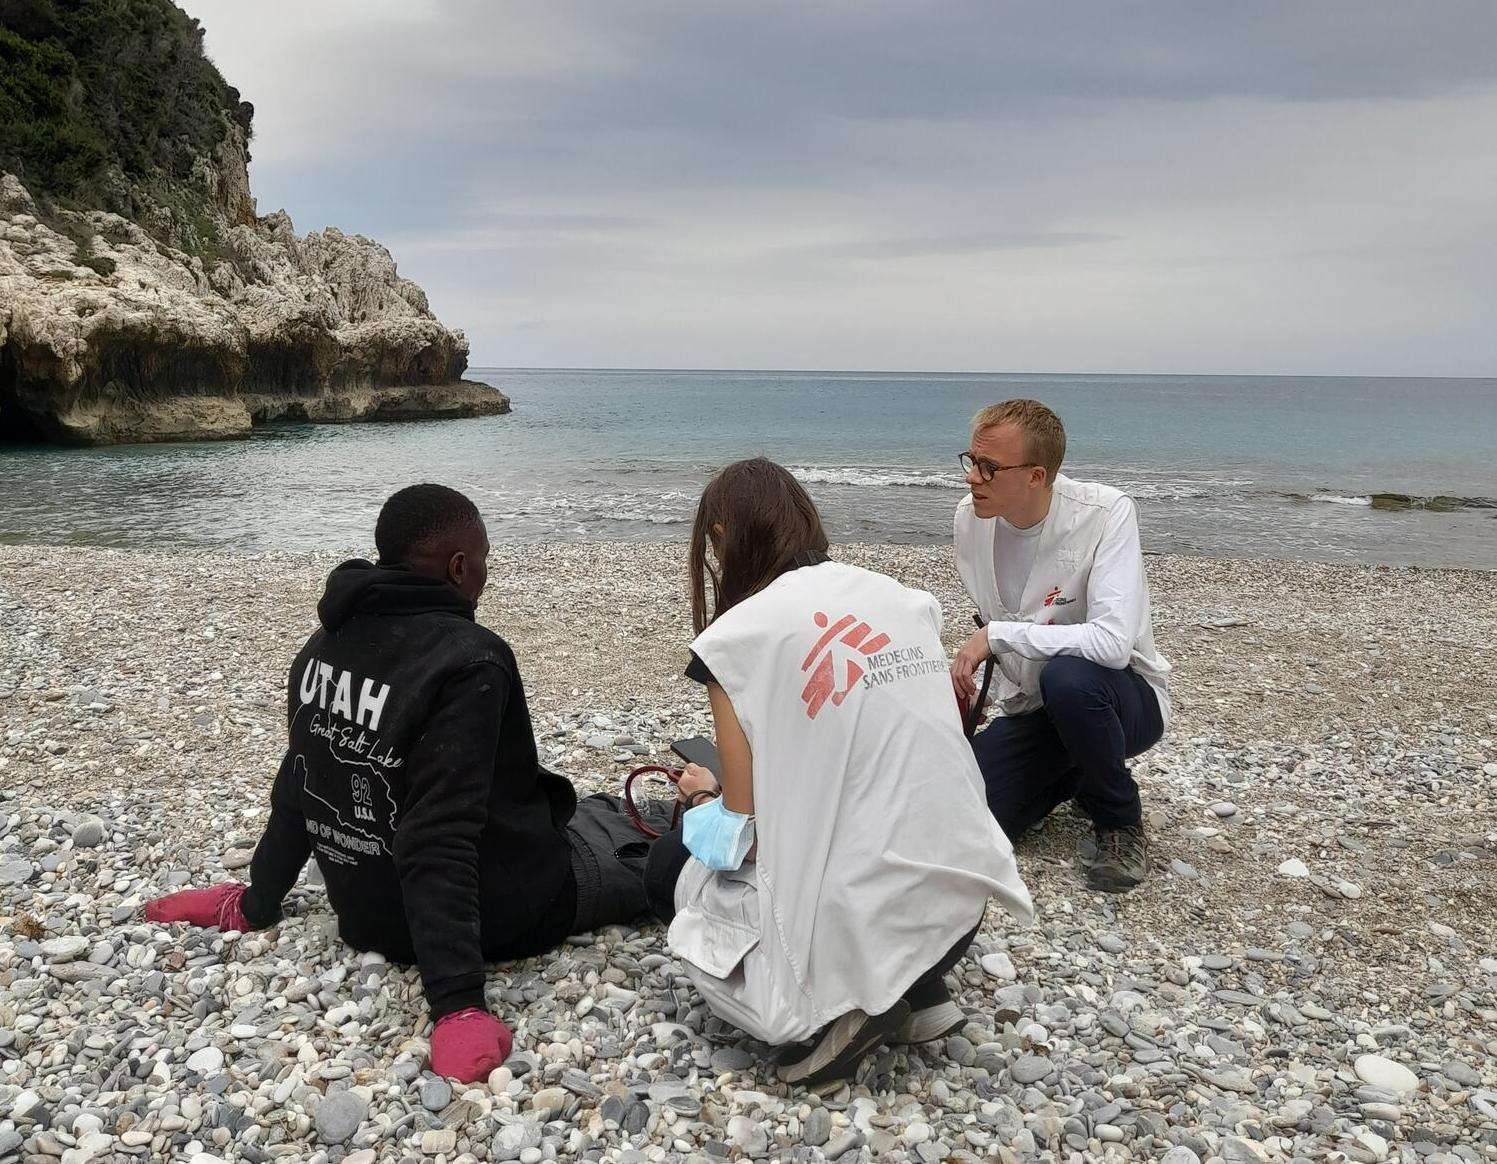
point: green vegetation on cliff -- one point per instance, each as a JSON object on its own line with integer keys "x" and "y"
{"x": 87, "y": 86}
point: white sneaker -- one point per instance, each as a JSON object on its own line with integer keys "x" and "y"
{"x": 931, "y": 1023}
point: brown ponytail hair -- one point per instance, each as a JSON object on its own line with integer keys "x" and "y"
{"x": 767, "y": 519}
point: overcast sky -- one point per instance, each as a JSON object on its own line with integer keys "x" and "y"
{"x": 1299, "y": 187}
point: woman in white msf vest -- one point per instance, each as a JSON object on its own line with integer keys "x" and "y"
{"x": 847, "y": 862}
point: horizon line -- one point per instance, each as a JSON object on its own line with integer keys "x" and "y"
{"x": 951, "y": 372}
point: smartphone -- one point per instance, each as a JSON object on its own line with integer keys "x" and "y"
{"x": 699, "y": 750}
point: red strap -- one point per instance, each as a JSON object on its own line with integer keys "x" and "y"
{"x": 636, "y": 818}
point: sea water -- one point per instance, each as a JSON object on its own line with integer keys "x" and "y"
{"x": 1396, "y": 471}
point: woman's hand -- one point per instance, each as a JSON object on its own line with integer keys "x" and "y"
{"x": 974, "y": 653}
{"x": 695, "y": 778}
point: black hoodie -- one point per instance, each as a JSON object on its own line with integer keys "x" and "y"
{"x": 412, "y": 774}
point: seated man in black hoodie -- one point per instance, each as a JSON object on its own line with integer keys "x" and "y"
{"x": 412, "y": 774}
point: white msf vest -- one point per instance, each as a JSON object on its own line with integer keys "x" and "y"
{"x": 1056, "y": 593}
{"x": 876, "y": 847}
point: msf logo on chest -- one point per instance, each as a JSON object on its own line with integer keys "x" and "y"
{"x": 333, "y": 690}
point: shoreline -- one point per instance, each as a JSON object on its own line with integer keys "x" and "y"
{"x": 657, "y": 543}
{"x": 1337, "y": 715}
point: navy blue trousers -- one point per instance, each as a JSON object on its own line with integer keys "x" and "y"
{"x": 1075, "y": 747}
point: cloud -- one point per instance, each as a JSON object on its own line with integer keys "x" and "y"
{"x": 952, "y": 244}
{"x": 1112, "y": 186}
{"x": 546, "y": 223}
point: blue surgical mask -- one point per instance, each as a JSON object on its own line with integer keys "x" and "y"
{"x": 717, "y": 836}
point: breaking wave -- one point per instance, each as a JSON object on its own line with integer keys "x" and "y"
{"x": 1396, "y": 502}
{"x": 879, "y": 478}
{"x": 904, "y": 478}
{"x": 1337, "y": 499}
{"x": 666, "y": 508}
{"x": 1170, "y": 490}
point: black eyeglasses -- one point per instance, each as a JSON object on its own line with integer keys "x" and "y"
{"x": 986, "y": 468}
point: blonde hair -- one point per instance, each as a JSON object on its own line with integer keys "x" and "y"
{"x": 1044, "y": 435}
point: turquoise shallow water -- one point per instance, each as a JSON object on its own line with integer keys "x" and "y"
{"x": 1244, "y": 466}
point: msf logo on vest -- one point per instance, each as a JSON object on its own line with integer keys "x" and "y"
{"x": 319, "y": 679}
{"x": 847, "y": 642}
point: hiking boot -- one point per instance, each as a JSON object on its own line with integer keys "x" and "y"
{"x": 1122, "y": 859}
{"x": 841, "y": 1046}
{"x": 930, "y": 1023}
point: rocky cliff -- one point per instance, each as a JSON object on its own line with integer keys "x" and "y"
{"x": 141, "y": 296}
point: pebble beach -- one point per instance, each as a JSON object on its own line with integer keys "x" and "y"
{"x": 1310, "y": 972}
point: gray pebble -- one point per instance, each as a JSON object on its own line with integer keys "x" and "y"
{"x": 749, "y": 1135}
{"x": 14, "y": 872}
{"x": 1030, "y": 1068}
{"x": 520, "y": 1064}
{"x": 1236, "y": 1150}
{"x": 578, "y": 1083}
{"x": 65, "y": 949}
{"x": 339, "y": 1116}
{"x": 88, "y": 834}
{"x": 845, "y": 1143}
{"x": 436, "y": 1093}
{"x": 731, "y": 1059}
{"x": 636, "y": 1118}
{"x": 518, "y": 1138}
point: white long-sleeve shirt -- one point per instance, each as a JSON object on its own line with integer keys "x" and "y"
{"x": 1086, "y": 592}
{"x": 1117, "y": 599}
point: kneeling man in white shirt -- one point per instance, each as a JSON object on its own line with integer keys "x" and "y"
{"x": 1055, "y": 569}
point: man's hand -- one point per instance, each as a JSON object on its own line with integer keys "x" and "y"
{"x": 468, "y": 1044}
{"x": 695, "y": 778}
{"x": 217, "y": 905}
{"x": 974, "y": 653}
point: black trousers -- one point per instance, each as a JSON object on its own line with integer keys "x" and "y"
{"x": 1075, "y": 747}
{"x": 930, "y": 988}
{"x": 609, "y": 857}
{"x": 669, "y": 855}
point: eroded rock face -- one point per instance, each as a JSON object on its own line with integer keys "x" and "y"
{"x": 108, "y": 334}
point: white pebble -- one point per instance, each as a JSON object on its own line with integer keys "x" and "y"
{"x": 1385, "y": 1073}
{"x": 1000, "y": 966}
{"x": 206, "y": 1062}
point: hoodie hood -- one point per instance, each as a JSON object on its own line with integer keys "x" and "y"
{"x": 361, "y": 587}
